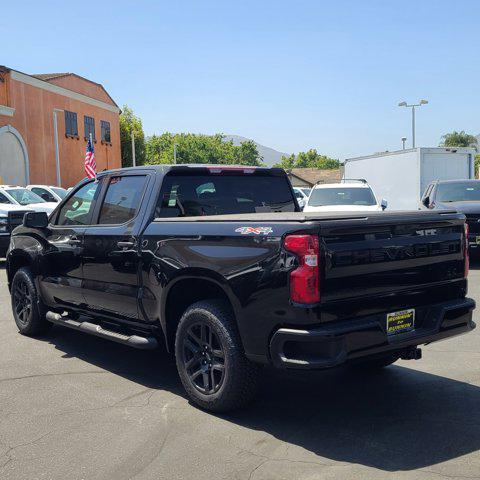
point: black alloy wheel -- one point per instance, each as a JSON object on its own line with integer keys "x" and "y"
{"x": 28, "y": 308}
{"x": 204, "y": 358}
{"x": 212, "y": 365}
{"x": 22, "y": 302}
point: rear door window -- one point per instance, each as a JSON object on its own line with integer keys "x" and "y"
{"x": 122, "y": 200}
{"x": 198, "y": 195}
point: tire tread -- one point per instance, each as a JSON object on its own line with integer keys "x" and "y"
{"x": 243, "y": 382}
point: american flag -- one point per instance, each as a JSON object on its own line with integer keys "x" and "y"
{"x": 90, "y": 164}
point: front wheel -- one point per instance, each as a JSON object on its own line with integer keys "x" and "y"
{"x": 28, "y": 310}
{"x": 210, "y": 360}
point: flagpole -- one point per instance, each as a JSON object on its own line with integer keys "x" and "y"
{"x": 91, "y": 143}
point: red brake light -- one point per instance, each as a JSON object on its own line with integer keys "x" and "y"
{"x": 466, "y": 252}
{"x": 305, "y": 279}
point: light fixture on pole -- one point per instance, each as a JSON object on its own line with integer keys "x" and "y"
{"x": 412, "y": 106}
{"x": 404, "y": 139}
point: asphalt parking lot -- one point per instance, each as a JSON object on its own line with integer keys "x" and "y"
{"x": 78, "y": 407}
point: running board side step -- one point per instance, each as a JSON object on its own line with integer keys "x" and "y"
{"x": 144, "y": 343}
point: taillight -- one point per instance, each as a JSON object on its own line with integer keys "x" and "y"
{"x": 466, "y": 252}
{"x": 305, "y": 279}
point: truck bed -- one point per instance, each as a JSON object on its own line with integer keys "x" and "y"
{"x": 407, "y": 215}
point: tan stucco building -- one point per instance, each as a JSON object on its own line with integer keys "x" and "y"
{"x": 45, "y": 120}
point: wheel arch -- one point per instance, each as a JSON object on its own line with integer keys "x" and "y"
{"x": 185, "y": 291}
{"x": 16, "y": 260}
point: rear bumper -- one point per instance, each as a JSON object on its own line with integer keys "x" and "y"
{"x": 331, "y": 345}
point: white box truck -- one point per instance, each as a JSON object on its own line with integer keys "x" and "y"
{"x": 401, "y": 177}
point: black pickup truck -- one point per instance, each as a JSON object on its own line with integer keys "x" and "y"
{"x": 220, "y": 265}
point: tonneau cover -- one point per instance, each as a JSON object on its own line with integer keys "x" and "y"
{"x": 421, "y": 215}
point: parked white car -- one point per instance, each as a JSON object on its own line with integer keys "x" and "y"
{"x": 302, "y": 194}
{"x": 12, "y": 195}
{"x": 48, "y": 193}
{"x": 347, "y": 196}
{"x": 11, "y": 215}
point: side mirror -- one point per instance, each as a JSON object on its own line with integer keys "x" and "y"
{"x": 384, "y": 204}
{"x": 426, "y": 201}
{"x": 35, "y": 220}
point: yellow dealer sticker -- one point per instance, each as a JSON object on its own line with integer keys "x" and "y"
{"x": 398, "y": 322}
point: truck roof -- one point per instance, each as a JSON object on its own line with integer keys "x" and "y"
{"x": 342, "y": 185}
{"x": 458, "y": 180}
{"x": 164, "y": 168}
{"x": 469, "y": 150}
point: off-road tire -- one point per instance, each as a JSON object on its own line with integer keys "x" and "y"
{"x": 30, "y": 319}
{"x": 240, "y": 378}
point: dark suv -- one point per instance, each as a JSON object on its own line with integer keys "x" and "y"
{"x": 461, "y": 195}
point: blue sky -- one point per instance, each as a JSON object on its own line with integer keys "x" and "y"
{"x": 292, "y": 75}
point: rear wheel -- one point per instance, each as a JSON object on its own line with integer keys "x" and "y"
{"x": 28, "y": 311}
{"x": 210, "y": 360}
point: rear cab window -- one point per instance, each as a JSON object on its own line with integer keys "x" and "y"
{"x": 342, "y": 196}
{"x": 191, "y": 194}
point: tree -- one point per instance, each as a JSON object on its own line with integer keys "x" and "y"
{"x": 458, "y": 139}
{"x": 309, "y": 159}
{"x": 477, "y": 165}
{"x": 193, "y": 148}
{"x": 129, "y": 121}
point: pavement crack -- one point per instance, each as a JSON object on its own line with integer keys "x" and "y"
{"x": 135, "y": 395}
{"x": 8, "y": 453}
{"x": 38, "y": 375}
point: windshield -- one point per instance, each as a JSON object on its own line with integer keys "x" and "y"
{"x": 188, "y": 195}
{"x": 458, "y": 192}
{"x": 24, "y": 196}
{"x": 341, "y": 196}
{"x": 306, "y": 191}
{"x": 61, "y": 192}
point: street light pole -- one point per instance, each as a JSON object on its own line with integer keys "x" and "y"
{"x": 404, "y": 139}
{"x": 134, "y": 162}
{"x": 412, "y": 106}
{"x": 413, "y": 126}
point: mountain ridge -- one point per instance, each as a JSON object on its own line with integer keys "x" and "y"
{"x": 270, "y": 155}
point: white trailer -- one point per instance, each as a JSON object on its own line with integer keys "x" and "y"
{"x": 401, "y": 177}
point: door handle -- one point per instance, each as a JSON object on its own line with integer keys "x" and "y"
{"x": 126, "y": 244}
{"x": 74, "y": 241}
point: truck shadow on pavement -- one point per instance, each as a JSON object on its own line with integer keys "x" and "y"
{"x": 395, "y": 419}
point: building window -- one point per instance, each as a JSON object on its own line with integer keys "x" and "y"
{"x": 89, "y": 127}
{"x": 71, "y": 127}
{"x": 105, "y": 126}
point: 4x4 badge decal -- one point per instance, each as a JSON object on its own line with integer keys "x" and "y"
{"x": 254, "y": 230}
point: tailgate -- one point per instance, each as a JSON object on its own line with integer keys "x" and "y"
{"x": 390, "y": 254}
